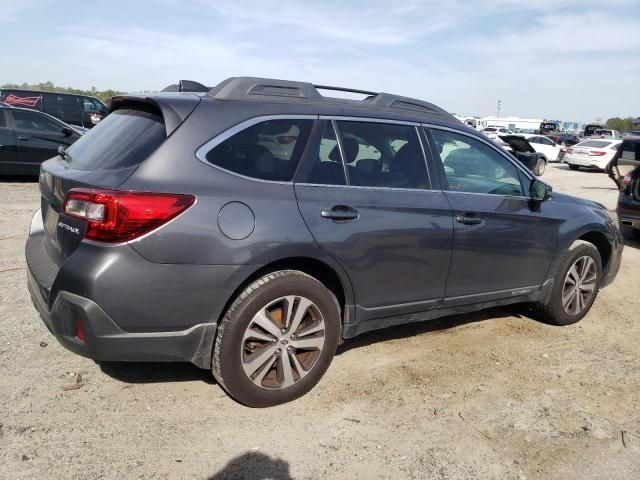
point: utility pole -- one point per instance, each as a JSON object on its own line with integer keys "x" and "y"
{"x": 499, "y": 105}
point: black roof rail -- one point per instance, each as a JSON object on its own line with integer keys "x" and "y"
{"x": 389, "y": 100}
{"x": 343, "y": 89}
{"x": 254, "y": 88}
{"x": 186, "y": 86}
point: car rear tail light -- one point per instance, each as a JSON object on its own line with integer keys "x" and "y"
{"x": 118, "y": 216}
{"x": 596, "y": 153}
{"x": 569, "y": 150}
{"x": 627, "y": 180}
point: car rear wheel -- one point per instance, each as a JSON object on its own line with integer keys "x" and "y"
{"x": 277, "y": 339}
{"x": 575, "y": 287}
{"x": 574, "y": 167}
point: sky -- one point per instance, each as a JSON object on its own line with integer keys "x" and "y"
{"x": 553, "y": 59}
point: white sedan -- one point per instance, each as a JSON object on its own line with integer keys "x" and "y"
{"x": 544, "y": 145}
{"x": 592, "y": 152}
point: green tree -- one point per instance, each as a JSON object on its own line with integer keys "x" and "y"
{"x": 621, "y": 124}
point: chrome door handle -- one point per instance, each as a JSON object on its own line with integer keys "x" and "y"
{"x": 340, "y": 213}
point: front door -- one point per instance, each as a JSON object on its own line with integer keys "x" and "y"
{"x": 368, "y": 203}
{"x": 503, "y": 244}
{"x": 38, "y": 137}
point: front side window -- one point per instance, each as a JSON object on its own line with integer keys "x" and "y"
{"x": 473, "y": 167}
{"x": 91, "y": 105}
{"x": 383, "y": 155}
{"x": 269, "y": 150}
{"x": 3, "y": 122}
{"x": 36, "y": 122}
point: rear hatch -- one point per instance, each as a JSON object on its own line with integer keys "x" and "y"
{"x": 104, "y": 158}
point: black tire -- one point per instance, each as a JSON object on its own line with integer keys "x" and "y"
{"x": 540, "y": 167}
{"x": 553, "y": 311}
{"x": 227, "y": 359}
{"x": 573, "y": 167}
{"x": 629, "y": 232}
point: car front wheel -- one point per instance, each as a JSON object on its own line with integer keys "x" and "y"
{"x": 277, "y": 339}
{"x": 575, "y": 287}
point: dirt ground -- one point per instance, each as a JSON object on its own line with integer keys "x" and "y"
{"x": 492, "y": 395}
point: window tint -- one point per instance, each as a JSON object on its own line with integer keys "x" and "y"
{"x": 383, "y": 155}
{"x": 471, "y": 166}
{"x": 269, "y": 150}
{"x": 122, "y": 139}
{"x": 3, "y": 122}
{"x": 91, "y": 105}
{"x": 35, "y": 121}
{"x": 328, "y": 168}
{"x": 630, "y": 151}
{"x": 594, "y": 144}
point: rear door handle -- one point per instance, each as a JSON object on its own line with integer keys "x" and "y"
{"x": 468, "y": 219}
{"x": 340, "y": 213}
{"x": 23, "y": 137}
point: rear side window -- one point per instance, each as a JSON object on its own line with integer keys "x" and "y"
{"x": 3, "y": 122}
{"x": 269, "y": 150}
{"x": 594, "y": 144}
{"x": 383, "y": 155}
{"x": 327, "y": 168}
{"x": 122, "y": 139}
{"x": 36, "y": 122}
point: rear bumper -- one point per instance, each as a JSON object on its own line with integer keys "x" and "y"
{"x": 592, "y": 162}
{"x": 105, "y": 341}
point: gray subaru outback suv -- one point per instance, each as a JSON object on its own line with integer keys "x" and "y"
{"x": 251, "y": 227}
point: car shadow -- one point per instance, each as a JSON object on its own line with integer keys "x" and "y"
{"x": 254, "y": 466}
{"x": 19, "y": 178}
{"x": 161, "y": 372}
{"x": 437, "y": 325}
{"x": 156, "y": 372}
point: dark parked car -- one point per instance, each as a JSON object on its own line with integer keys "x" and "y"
{"x": 252, "y": 228}
{"x": 624, "y": 169}
{"x": 28, "y": 138}
{"x": 548, "y": 128}
{"x": 79, "y": 110}
{"x": 520, "y": 148}
{"x": 590, "y": 129}
{"x": 565, "y": 139}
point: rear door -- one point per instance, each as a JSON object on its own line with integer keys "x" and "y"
{"x": 38, "y": 137}
{"x": 625, "y": 165}
{"x": 502, "y": 246}
{"x": 365, "y": 194}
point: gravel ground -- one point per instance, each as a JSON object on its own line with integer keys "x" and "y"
{"x": 489, "y": 395}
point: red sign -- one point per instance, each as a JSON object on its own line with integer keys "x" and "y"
{"x": 26, "y": 101}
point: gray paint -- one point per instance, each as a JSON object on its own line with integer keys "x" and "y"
{"x": 404, "y": 258}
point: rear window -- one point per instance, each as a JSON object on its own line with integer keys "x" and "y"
{"x": 122, "y": 139}
{"x": 269, "y": 150}
{"x": 594, "y": 144}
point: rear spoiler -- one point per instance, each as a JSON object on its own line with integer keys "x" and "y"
{"x": 186, "y": 86}
{"x": 174, "y": 109}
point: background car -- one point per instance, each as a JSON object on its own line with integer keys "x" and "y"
{"x": 544, "y": 145}
{"x": 28, "y": 138}
{"x": 624, "y": 169}
{"x": 564, "y": 139}
{"x": 520, "y": 148}
{"x": 493, "y": 131}
{"x": 80, "y": 110}
{"x": 547, "y": 128}
{"x": 590, "y": 128}
{"x": 603, "y": 132}
{"x": 592, "y": 152}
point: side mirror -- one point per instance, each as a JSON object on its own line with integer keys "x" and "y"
{"x": 539, "y": 191}
{"x": 67, "y": 131}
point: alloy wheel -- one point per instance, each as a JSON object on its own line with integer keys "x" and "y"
{"x": 579, "y": 285}
{"x": 282, "y": 342}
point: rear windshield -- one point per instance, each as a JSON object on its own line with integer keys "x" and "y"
{"x": 594, "y": 144}
{"x": 124, "y": 138}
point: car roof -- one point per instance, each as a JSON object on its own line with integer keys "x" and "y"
{"x": 308, "y": 96}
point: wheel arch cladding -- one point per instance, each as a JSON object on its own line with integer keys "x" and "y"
{"x": 313, "y": 267}
{"x": 601, "y": 243}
